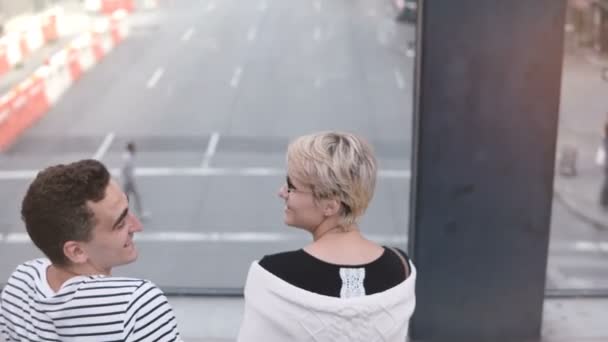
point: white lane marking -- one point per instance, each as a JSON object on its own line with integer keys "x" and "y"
{"x": 317, "y": 5}
{"x": 188, "y": 35}
{"x": 199, "y": 172}
{"x": 211, "y": 146}
{"x": 193, "y": 236}
{"x": 155, "y": 78}
{"x": 317, "y": 34}
{"x": 105, "y": 145}
{"x": 17, "y": 238}
{"x": 587, "y": 246}
{"x": 263, "y": 6}
{"x": 251, "y": 34}
{"x": 399, "y": 79}
{"x": 236, "y": 77}
{"x": 210, "y": 6}
{"x": 394, "y": 173}
{"x": 215, "y": 237}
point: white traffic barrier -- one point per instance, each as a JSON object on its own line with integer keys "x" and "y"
{"x": 57, "y": 76}
{"x": 119, "y": 26}
{"x": 34, "y": 38}
{"x": 83, "y": 47}
{"x": 101, "y": 28}
{"x": 92, "y": 6}
{"x": 12, "y": 44}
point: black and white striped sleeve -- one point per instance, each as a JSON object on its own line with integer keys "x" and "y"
{"x": 149, "y": 317}
{"x": 3, "y": 333}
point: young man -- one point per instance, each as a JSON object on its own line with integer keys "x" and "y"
{"x": 80, "y": 219}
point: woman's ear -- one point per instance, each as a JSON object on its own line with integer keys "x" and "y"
{"x": 331, "y": 207}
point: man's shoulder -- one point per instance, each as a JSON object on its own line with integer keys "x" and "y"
{"x": 113, "y": 283}
{"x": 123, "y": 285}
{"x": 31, "y": 268}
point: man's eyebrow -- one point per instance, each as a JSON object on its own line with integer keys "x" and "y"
{"x": 121, "y": 217}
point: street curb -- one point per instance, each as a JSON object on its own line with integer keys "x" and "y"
{"x": 572, "y": 208}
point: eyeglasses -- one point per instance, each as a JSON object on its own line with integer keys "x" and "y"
{"x": 292, "y": 188}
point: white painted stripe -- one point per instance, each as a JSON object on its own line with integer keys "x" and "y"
{"x": 155, "y": 78}
{"x": 236, "y": 77}
{"x": 251, "y": 34}
{"x": 211, "y": 147}
{"x": 317, "y": 34}
{"x": 263, "y": 6}
{"x": 105, "y": 145}
{"x": 580, "y": 283}
{"x": 317, "y": 5}
{"x": 198, "y": 171}
{"x": 215, "y": 237}
{"x": 586, "y": 246}
{"x": 260, "y": 171}
{"x": 399, "y": 79}
{"x": 394, "y": 173}
{"x": 188, "y": 35}
{"x": 19, "y": 238}
{"x": 193, "y": 236}
{"x": 210, "y": 6}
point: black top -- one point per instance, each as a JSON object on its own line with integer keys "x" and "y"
{"x": 309, "y": 273}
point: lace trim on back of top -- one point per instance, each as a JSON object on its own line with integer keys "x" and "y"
{"x": 352, "y": 282}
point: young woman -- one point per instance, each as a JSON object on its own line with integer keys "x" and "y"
{"x": 341, "y": 287}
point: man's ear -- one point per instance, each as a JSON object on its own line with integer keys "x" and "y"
{"x": 74, "y": 252}
{"x": 331, "y": 207}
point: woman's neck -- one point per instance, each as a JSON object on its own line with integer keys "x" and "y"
{"x": 331, "y": 227}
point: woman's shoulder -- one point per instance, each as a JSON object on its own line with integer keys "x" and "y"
{"x": 278, "y": 261}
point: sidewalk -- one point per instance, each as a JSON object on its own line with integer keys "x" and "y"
{"x": 583, "y": 112}
{"x": 217, "y": 319}
{"x": 581, "y": 196}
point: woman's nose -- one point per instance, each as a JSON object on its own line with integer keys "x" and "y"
{"x": 283, "y": 191}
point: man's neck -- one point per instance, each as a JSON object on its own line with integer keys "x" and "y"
{"x": 57, "y": 275}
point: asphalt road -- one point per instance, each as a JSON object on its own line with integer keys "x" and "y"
{"x": 212, "y": 91}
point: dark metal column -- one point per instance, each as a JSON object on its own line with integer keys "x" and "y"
{"x": 488, "y": 87}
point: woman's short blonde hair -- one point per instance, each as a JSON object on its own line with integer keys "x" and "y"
{"x": 335, "y": 165}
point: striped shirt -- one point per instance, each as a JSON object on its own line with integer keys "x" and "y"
{"x": 86, "y": 308}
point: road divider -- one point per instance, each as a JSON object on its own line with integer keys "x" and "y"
{"x": 28, "y": 34}
{"x": 31, "y": 99}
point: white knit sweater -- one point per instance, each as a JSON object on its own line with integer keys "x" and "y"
{"x": 276, "y": 311}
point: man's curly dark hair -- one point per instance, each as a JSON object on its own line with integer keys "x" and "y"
{"x": 55, "y": 209}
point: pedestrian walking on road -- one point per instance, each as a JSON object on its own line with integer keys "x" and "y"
{"x": 127, "y": 173}
{"x": 604, "y": 191}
